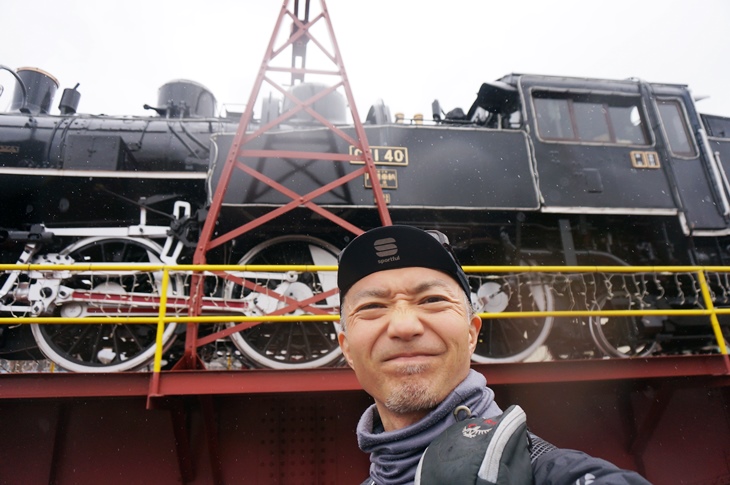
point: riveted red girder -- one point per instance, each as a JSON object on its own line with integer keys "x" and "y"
{"x": 300, "y": 35}
{"x": 664, "y": 416}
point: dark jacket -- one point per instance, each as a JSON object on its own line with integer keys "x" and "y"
{"x": 559, "y": 466}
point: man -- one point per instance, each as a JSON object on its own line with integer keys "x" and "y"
{"x": 408, "y": 331}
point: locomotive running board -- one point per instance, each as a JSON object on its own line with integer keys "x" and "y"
{"x": 115, "y": 174}
{"x": 300, "y": 34}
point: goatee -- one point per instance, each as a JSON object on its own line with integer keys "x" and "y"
{"x": 412, "y": 394}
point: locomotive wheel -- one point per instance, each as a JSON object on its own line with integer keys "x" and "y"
{"x": 107, "y": 347}
{"x": 620, "y": 336}
{"x": 290, "y": 345}
{"x": 512, "y": 339}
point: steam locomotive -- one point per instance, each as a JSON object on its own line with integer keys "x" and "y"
{"x": 540, "y": 170}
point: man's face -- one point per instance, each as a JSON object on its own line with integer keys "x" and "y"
{"x": 409, "y": 339}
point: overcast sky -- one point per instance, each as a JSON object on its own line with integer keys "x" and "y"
{"x": 407, "y": 52}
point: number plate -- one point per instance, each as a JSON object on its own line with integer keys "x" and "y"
{"x": 388, "y": 179}
{"x": 384, "y": 155}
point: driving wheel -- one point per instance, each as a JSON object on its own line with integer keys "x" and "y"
{"x": 289, "y": 345}
{"x": 512, "y": 339}
{"x": 107, "y": 347}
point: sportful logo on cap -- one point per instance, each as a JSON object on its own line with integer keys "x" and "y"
{"x": 384, "y": 248}
{"x": 394, "y": 247}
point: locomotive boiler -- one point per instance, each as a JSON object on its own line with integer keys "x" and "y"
{"x": 540, "y": 170}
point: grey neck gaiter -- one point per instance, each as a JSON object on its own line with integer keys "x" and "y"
{"x": 394, "y": 455}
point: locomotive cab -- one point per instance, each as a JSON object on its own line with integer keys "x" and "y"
{"x": 497, "y": 106}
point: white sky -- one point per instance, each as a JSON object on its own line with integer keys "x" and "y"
{"x": 406, "y": 52}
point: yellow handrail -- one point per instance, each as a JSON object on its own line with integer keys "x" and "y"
{"x": 161, "y": 319}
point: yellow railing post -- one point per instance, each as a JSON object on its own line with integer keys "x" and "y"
{"x": 161, "y": 318}
{"x": 713, "y": 314}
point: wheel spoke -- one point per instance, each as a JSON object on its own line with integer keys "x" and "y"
{"x": 78, "y": 340}
{"x": 266, "y": 347}
{"x": 115, "y": 344}
{"x": 307, "y": 348}
{"x": 94, "y": 356}
{"x": 293, "y": 327}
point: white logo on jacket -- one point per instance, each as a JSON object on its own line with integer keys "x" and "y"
{"x": 474, "y": 430}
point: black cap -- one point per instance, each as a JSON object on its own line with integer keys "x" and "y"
{"x": 393, "y": 247}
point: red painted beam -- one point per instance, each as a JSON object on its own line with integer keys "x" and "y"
{"x": 604, "y": 369}
{"x": 201, "y": 382}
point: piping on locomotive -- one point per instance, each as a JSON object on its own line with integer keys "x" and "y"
{"x": 540, "y": 170}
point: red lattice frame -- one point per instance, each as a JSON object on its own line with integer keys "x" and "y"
{"x": 300, "y": 35}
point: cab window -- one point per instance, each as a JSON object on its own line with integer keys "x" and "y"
{"x": 581, "y": 117}
{"x": 675, "y": 127}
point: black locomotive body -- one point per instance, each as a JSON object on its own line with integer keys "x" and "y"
{"x": 540, "y": 170}
{"x": 623, "y": 168}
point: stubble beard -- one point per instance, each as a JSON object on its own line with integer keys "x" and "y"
{"x": 413, "y": 393}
